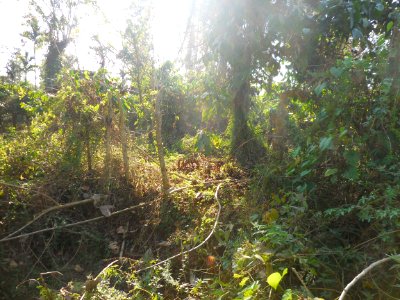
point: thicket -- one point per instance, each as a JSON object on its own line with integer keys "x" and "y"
{"x": 220, "y": 182}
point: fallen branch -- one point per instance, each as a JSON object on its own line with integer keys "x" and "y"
{"x": 78, "y": 223}
{"x": 28, "y": 189}
{"x": 46, "y": 211}
{"x": 199, "y": 245}
{"x": 363, "y": 273}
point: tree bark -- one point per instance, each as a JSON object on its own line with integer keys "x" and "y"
{"x": 107, "y": 161}
{"x": 160, "y": 147}
{"x": 394, "y": 63}
{"x": 244, "y": 145}
{"x": 124, "y": 140}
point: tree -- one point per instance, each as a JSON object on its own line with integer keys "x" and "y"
{"x": 137, "y": 59}
{"x": 60, "y": 20}
{"x": 35, "y": 35}
{"x": 244, "y": 42}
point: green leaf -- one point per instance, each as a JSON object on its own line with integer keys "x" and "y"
{"x": 304, "y": 173}
{"x": 244, "y": 281}
{"x": 343, "y": 131}
{"x": 389, "y": 26}
{"x": 351, "y": 173}
{"x": 318, "y": 90}
{"x": 336, "y": 71}
{"x": 288, "y": 295}
{"x": 357, "y": 34}
{"x": 330, "y": 172}
{"x": 351, "y": 157}
{"x": 365, "y": 22}
{"x": 325, "y": 143}
{"x": 274, "y": 279}
{"x": 379, "y": 7}
{"x": 295, "y": 152}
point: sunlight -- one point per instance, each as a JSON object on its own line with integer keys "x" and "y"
{"x": 168, "y": 24}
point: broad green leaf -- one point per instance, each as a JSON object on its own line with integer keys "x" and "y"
{"x": 325, "y": 143}
{"x": 351, "y": 157}
{"x": 365, "y": 22}
{"x": 274, "y": 279}
{"x": 389, "y": 26}
{"x": 356, "y": 33}
{"x": 336, "y": 71}
{"x": 330, "y": 172}
{"x": 318, "y": 90}
{"x": 304, "y": 173}
{"x": 343, "y": 131}
{"x": 288, "y": 295}
{"x": 379, "y": 7}
{"x": 295, "y": 152}
{"x": 351, "y": 173}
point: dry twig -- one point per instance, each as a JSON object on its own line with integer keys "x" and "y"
{"x": 46, "y": 211}
{"x": 78, "y": 223}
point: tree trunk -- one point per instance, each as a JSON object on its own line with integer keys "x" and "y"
{"x": 244, "y": 145}
{"x": 394, "y": 63}
{"x": 160, "y": 147}
{"x": 124, "y": 140}
{"x": 52, "y": 64}
{"x": 107, "y": 162}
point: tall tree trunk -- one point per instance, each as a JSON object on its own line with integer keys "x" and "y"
{"x": 124, "y": 140}
{"x": 160, "y": 147}
{"x": 394, "y": 63}
{"x": 107, "y": 162}
{"x": 244, "y": 146}
{"x": 52, "y": 64}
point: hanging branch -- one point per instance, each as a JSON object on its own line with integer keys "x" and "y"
{"x": 363, "y": 273}
{"x": 199, "y": 245}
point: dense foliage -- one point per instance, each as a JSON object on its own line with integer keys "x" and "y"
{"x": 307, "y": 163}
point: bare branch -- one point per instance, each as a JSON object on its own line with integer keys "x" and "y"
{"x": 78, "y": 223}
{"x": 53, "y": 208}
{"x": 363, "y": 273}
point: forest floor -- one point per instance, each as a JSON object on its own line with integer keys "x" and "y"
{"x": 142, "y": 223}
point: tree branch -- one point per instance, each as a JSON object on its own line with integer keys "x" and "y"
{"x": 46, "y": 211}
{"x": 363, "y": 273}
{"x": 77, "y": 223}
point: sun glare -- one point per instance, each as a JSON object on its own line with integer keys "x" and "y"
{"x": 168, "y": 24}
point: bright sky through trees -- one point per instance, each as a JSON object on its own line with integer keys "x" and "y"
{"x": 169, "y": 19}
